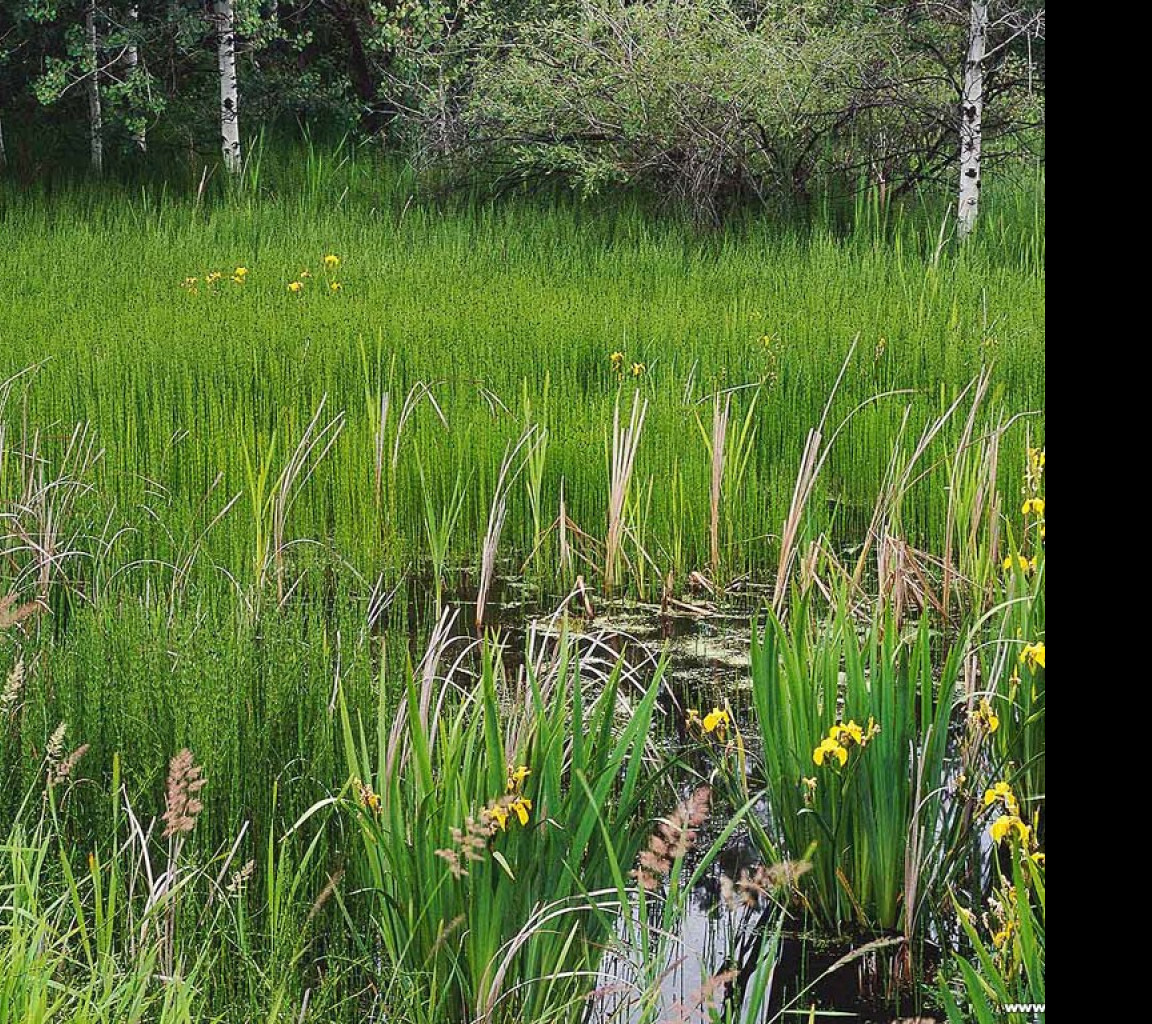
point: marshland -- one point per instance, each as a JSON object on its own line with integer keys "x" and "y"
{"x": 469, "y": 555}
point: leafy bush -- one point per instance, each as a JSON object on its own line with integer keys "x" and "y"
{"x": 497, "y": 835}
{"x": 702, "y": 101}
{"x": 855, "y": 734}
{"x": 1007, "y": 964}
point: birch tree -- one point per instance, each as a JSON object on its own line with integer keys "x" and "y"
{"x": 971, "y": 118}
{"x": 92, "y": 87}
{"x": 1009, "y": 25}
{"x": 136, "y": 129}
{"x": 229, "y": 87}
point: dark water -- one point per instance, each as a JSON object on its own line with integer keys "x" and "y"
{"x": 706, "y": 652}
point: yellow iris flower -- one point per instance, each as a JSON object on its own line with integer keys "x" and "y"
{"x": 1002, "y": 792}
{"x": 1005, "y": 825}
{"x": 829, "y": 748}
{"x": 1001, "y": 938}
{"x": 716, "y": 721}
{"x": 1033, "y": 655}
{"x": 985, "y": 714}
{"x": 521, "y": 806}
{"x": 1020, "y": 562}
{"x": 847, "y": 733}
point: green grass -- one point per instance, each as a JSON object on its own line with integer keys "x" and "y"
{"x": 462, "y": 942}
{"x": 1006, "y": 966}
{"x": 508, "y": 314}
{"x": 240, "y": 510}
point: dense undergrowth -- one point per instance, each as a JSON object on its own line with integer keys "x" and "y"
{"x": 268, "y": 525}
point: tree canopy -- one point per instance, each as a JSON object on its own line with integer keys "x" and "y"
{"x": 703, "y": 102}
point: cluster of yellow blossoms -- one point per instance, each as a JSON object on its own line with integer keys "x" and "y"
{"x": 470, "y": 843}
{"x": 1033, "y": 655}
{"x": 841, "y": 737}
{"x": 1032, "y": 510}
{"x": 367, "y": 797}
{"x": 519, "y": 805}
{"x": 1002, "y": 922}
{"x": 717, "y": 721}
{"x": 1025, "y": 565}
{"x": 499, "y": 811}
{"x": 1035, "y": 469}
{"x": 984, "y": 717}
{"x": 617, "y": 361}
{"x": 192, "y": 284}
{"x": 1008, "y": 823}
{"x": 1006, "y": 913}
{"x": 331, "y": 264}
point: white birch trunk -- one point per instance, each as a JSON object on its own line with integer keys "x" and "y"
{"x": 131, "y": 66}
{"x": 92, "y": 85}
{"x": 971, "y": 116}
{"x": 229, "y": 90}
{"x": 3, "y": 155}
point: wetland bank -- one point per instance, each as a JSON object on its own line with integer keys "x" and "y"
{"x": 542, "y": 612}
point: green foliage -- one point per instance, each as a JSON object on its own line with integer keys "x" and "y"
{"x": 138, "y": 931}
{"x": 1006, "y": 967}
{"x": 226, "y": 511}
{"x": 493, "y": 888}
{"x": 710, "y": 105}
{"x": 177, "y": 384}
{"x": 710, "y": 102}
{"x": 479, "y": 863}
{"x": 872, "y": 815}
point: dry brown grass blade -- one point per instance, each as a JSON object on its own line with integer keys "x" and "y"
{"x": 810, "y": 462}
{"x": 420, "y": 391}
{"x": 43, "y": 526}
{"x": 720, "y": 416}
{"x": 565, "y": 553}
{"x": 12, "y": 614}
{"x": 499, "y": 512}
{"x": 442, "y": 635}
{"x": 978, "y": 394}
{"x": 900, "y": 476}
{"x": 622, "y": 462}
